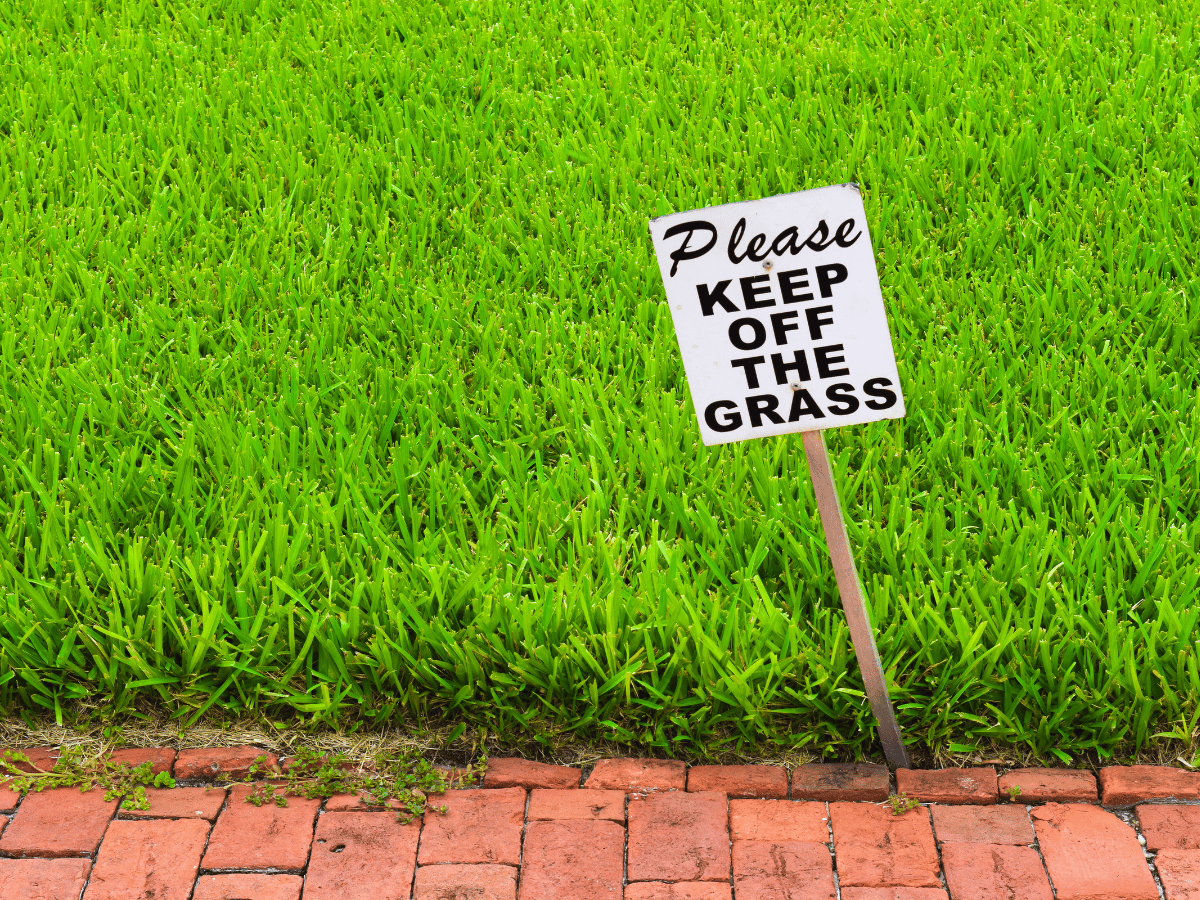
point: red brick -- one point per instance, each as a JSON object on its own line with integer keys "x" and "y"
{"x": 875, "y": 848}
{"x": 261, "y": 837}
{"x": 148, "y": 859}
{"x": 889, "y": 893}
{"x": 1129, "y": 785}
{"x": 1179, "y": 872}
{"x": 989, "y": 871}
{"x": 982, "y": 824}
{"x": 1049, "y": 786}
{"x": 58, "y": 822}
{"x": 362, "y": 856}
{"x": 575, "y": 860}
{"x": 3, "y": 824}
{"x": 740, "y": 781}
{"x": 778, "y": 820}
{"x": 770, "y": 869}
{"x": 8, "y": 799}
{"x": 485, "y": 882}
{"x": 178, "y": 803}
{"x": 161, "y": 759}
{"x": 1091, "y": 853}
{"x": 511, "y": 772}
{"x": 838, "y": 781}
{"x": 679, "y": 890}
{"x": 248, "y": 886}
{"x": 638, "y": 775}
{"x": 575, "y": 804}
{"x": 479, "y": 826}
{"x": 678, "y": 837}
{"x": 208, "y": 763}
{"x": 43, "y": 879}
{"x": 1170, "y": 827}
{"x": 41, "y": 759}
{"x": 957, "y": 786}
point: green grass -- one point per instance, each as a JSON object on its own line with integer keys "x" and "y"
{"x": 338, "y": 380}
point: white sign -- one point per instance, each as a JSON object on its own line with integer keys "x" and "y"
{"x": 779, "y": 314}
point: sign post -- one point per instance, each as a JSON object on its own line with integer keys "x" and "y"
{"x": 780, "y": 320}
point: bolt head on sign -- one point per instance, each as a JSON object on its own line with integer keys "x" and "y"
{"x": 779, "y": 314}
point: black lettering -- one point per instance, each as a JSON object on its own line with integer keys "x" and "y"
{"x": 842, "y": 393}
{"x": 734, "y": 239}
{"x": 781, "y": 326}
{"x": 828, "y": 276}
{"x": 823, "y": 241}
{"x": 844, "y": 231}
{"x": 731, "y": 422}
{"x": 684, "y": 251}
{"x": 804, "y": 405}
{"x": 787, "y": 240}
{"x": 824, "y": 361}
{"x": 790, "y": 244}
{"x": 788, "y": 285}
{"x": 749, "y": 291}
{"x": 763, "y": 405}
{"x": 878, "y": 387}
{"x": 800, "y": 367}
{"x": 708, "y": 299}
{"x": 815, "y": 321}
{"x": 760, "y": 334}
{"x": 748, "y": 365}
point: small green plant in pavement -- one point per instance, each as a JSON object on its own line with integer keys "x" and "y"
{"x": 402, "y": 781}
{"x": 1013, "y": 791}
{"x": 900, "y": 804}
{"x": 75, "y": 768}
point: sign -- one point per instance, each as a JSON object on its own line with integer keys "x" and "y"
{"x": 779, "y": 314}
{"x": 780, "y": 321}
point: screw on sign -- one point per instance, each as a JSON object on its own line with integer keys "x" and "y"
{"x": 780, "y": 320}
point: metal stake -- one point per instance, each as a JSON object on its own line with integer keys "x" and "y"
{"x": 850, "y": 589}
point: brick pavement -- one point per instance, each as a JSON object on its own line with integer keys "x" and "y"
{"x": 630, "y": 830}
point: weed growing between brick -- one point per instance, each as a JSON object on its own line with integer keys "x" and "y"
{"x": 74, "y": 768}
{"x": 900, "y": 804}
{"x": 404, "y": 781}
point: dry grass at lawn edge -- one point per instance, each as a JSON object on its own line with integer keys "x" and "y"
{"x": 431, "y": 742}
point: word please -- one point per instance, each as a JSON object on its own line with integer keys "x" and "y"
{"x": 757, "y": 250}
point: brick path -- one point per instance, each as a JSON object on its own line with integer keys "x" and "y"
{"x": 633, "y": 830}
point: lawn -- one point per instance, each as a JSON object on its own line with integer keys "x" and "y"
{"x": 337, "y": 381}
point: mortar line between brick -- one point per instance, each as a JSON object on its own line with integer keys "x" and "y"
{"x": 1162, "y": 892}
{"x": 625, "y": 853}
{"x": 1135, "y": 823}
{"x": 312, "y": 840}
{"x": 937, "y": 847}
{"x": 837, "y": 881}
{"x": 211, "y": 828}
{"x": 412, "y": 887}
{"x": 1037, "y": 846}
{"x": 95, "y": 854}
{"x": 524, "y": 830}
{"x": 729, "y": 838}
{"x": 204, "y": 850}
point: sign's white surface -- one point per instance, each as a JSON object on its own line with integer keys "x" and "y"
{"x": 779, "y": 314}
